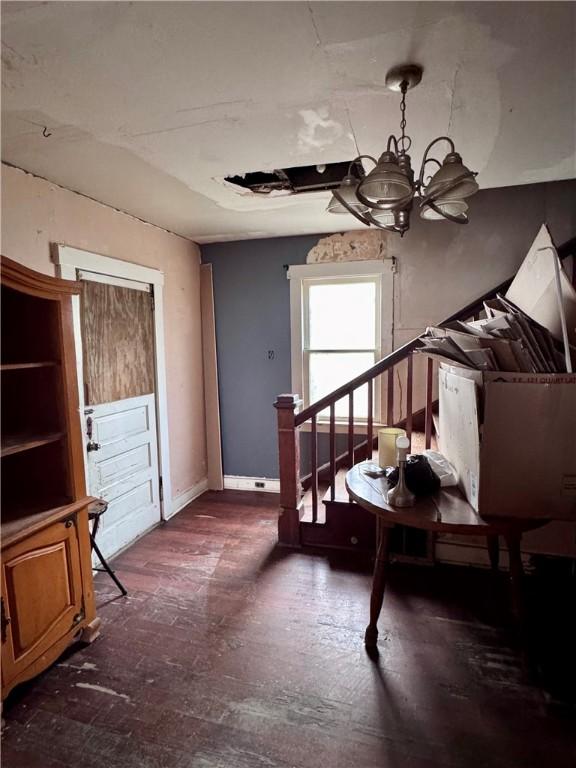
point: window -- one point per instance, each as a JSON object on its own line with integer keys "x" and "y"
{"x": 341, "y": 325}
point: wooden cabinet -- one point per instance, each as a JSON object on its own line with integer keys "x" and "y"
{"x": 46, "y": 574}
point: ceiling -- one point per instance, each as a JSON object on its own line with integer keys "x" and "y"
{"x": 147, "y": 106}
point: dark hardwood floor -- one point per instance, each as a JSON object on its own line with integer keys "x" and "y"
{"x": 231, "y": 653}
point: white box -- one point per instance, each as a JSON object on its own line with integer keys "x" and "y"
{"x": 512, "y": 440}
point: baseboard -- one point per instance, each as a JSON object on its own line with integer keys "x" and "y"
{"x": 465, "y": 554}
{"x": 180, "y": 501}
{"x": 240, "y": 483}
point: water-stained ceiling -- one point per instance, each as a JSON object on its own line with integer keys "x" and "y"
{"x": 148, "y": 106}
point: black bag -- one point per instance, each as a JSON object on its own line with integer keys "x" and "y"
{"x": 420, "y": 477}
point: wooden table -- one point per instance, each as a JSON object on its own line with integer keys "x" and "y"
{"x": 446, "y": 512}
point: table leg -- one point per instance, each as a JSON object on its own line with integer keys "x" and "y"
{"x": 378, "y": 585}
{"x": 493, "y": 551}
{"x": 516, "y": 572}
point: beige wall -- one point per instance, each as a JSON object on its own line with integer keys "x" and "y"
{"x": 36, "y": 213}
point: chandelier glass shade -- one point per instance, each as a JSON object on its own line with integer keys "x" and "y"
{"x": 347, "y": 192}
{"x": 386, "y": 184}
{"x": 385, "y": 196}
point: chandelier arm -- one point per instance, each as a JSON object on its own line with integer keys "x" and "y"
{"x": 349, "y": 208}
{"x": 360, "y": 157}
{"x": 460, "y": 219}
{"x": 424, "y": 164}
{"x": 391, "y": 139}
{"x": 425, "y": 157}
{"x": 398, "y": 205}
{"x": 447, "y": 188}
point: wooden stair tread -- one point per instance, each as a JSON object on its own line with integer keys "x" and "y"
{"x": 307, "y": 513}
{"x": 340, "y": 492}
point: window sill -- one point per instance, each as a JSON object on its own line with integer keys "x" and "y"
{"x": 341, "y": 427}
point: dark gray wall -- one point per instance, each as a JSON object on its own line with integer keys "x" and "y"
{"x": 440, "y": 264}
{"x": 252, "y": 307}
{"x": 440, "y": 268}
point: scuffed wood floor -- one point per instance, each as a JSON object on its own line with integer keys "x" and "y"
{"x": 230, "y": 653}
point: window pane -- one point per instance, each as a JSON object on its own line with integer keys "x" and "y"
{"x": 328, "y": 371}
{"x": 342, "y": 315}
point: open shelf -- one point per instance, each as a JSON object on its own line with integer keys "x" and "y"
{"x": 17, "y": 519}
{"x": 34, "y": 472}
{"x": 17, "y": 443}
{"x": 33, "y": 445}
{"x": 24, "y": 366}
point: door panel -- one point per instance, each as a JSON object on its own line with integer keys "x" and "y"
{"x": 124, "y": 469}
{"x": 128, "y": 503}
{"x": 42, "y": 591}
{"x": 118, "y": 342}
{"x": 123, "y": 462}
{"x": 126, "y": 423}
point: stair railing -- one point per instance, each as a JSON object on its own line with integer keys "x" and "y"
{"x": 291, "y": 419}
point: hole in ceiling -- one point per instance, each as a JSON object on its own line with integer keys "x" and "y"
{"x": 304, "y": 178}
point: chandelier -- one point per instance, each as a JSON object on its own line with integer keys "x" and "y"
{"x": 384, "y": 198}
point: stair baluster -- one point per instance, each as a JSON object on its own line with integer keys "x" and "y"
{"x": 390, "y": 397}
{"x": 351, "y": 429}
{"x": 314, "y": 463}
{"x": 370, "y": 421}
{"x": 332, "y": 451}
{"x": 409, "y": 389}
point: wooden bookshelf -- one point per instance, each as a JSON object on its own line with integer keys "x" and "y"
{"x": 45, "y": 541}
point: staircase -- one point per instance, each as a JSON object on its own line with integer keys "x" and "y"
{"x": 314, "y": 506}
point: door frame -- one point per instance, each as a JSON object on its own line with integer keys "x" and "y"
{"x": 69, "y": 261}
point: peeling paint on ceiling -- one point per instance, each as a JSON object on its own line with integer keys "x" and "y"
{"x": 151, "y": 105}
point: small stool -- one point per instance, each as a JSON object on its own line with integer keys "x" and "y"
{"x": 94, "y": 514}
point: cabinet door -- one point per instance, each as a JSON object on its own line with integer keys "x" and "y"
{"x": 41, "y": 593}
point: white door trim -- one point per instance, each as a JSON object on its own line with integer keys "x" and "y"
{"x": 69, "y": 261}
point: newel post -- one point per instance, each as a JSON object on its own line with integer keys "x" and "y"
{"x": 289, "y": 454}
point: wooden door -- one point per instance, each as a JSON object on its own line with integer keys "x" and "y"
{"x": 124, "y": 469}
{"x": 120, "y": 409}
{"x": 41, "y": 595}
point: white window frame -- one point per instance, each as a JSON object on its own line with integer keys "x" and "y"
{"x": 301, "y": 277}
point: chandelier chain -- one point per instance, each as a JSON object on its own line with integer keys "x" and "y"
{"x": 403, "y": 137}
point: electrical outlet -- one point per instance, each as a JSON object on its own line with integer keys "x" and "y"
{"x": 260, "y": 484}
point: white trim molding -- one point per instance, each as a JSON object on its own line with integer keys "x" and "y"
{"x": 66, "y": 256}
{"x": 241, "y": 483}
{"x": 341, "y": 269}
{"x": 70, "y": 263}
{"x": 183, "y": 499}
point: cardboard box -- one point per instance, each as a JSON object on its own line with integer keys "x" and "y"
{"x": 512, "y": 440}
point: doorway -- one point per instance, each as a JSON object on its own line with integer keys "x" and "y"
{"x": 122, "y": 391}
{"x": 119, "y": 405}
